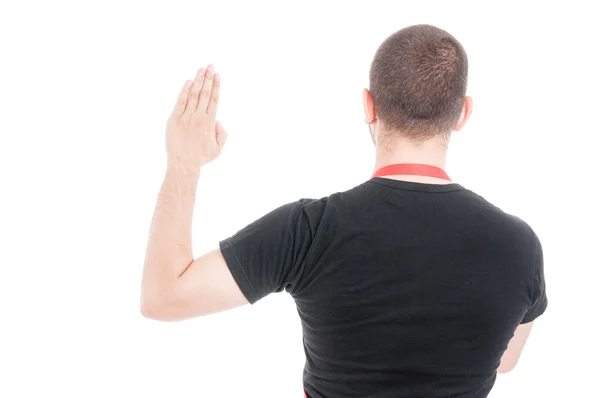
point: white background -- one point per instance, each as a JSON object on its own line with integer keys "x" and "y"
{"x": 86, "y": 88}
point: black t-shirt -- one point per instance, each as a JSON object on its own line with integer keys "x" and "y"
{"x": 404, "y": 289}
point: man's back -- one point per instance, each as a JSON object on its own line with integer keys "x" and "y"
{"x": 404, "y": 289}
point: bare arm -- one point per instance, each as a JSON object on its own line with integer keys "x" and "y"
{"x": 174, "y": 285}
{"x": 515, "y": 348}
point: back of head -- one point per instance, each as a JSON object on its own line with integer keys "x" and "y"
{"x": 418, "y": 80}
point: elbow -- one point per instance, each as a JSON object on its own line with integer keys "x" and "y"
{"x": 152, "y": 310}
{"x": 155, "y": 306}
{"x": 506, "y": 367}
{"x": 504, "y": 370}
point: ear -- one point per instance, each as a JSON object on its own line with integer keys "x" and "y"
{"x": 465, "y": 114}
{"x": 368, "y": 106}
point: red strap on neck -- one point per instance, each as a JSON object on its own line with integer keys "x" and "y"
{"x": 424, "y": 170}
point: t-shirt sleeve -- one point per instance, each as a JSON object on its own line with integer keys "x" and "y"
{"x": 268, "y": 255}
{"x": 539, "y": 300}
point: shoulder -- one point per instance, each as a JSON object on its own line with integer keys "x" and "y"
{"x": 319, "y": 207}
{"x": 518, "y": 231}
{"x": 501, "y": 215}
{"x": 317, "y": 213}
{"x": 312, "y": 210}
{"x": 301, "y": 211}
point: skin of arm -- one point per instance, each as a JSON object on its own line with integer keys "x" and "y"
{"x": 515, "y": 348}
{"x": 174, "y": 285}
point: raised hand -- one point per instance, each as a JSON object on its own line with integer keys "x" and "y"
{"x": 193, "y": 136}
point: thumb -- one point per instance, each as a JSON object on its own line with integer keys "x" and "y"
{"x": 221, "y": 134}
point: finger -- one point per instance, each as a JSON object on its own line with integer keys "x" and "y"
{"x": 221, "y": 134}
{"x": 182, "y": 99}
{"x": 195, "y": 92}
{"x": 200, "y": 74}
{"x": 214, "y": 97}
{"x": 206, "y": 90}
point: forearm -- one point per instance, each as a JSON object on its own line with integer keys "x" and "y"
{"x": 169, "y": 250}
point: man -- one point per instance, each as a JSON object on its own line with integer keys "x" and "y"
{"x": 408, "y": 285}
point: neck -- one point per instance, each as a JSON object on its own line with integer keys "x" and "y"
{"x": 432, "y": 152}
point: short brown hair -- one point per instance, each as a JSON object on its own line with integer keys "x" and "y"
{"x": 418, "y": 80}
